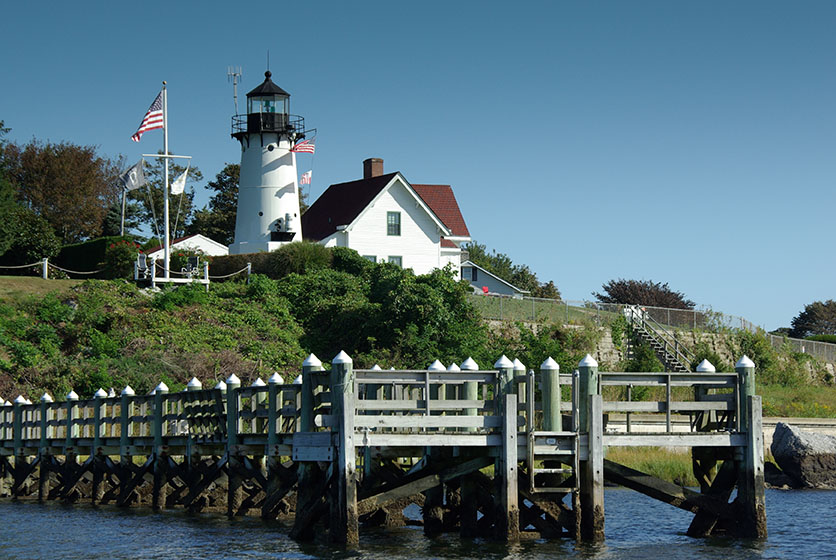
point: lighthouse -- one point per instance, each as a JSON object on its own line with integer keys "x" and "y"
{"x": 268, "y": 196}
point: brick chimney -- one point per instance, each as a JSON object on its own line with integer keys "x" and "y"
{"x": 372, "y": 167}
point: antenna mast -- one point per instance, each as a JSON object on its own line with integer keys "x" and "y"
{"x": 233, "y": 74}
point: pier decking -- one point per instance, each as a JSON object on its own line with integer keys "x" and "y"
{"x": 495, "y": 453}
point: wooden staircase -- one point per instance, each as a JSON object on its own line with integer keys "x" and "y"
{"x": 673, "y": 354}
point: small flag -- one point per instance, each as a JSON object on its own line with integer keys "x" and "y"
{"x": 179, "y": 184}
{"x": 153, "y": 118}
{"x": 306, "y": 178}
{"x": 133, "y": 178}
{"x": 305, "y": 146}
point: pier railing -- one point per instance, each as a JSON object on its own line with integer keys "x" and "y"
{"x": 543, "y": 433}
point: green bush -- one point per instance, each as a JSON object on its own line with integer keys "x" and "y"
{"x": 179, "y": 296}
{"x": 230, "y": 264}
{"x": 298, "y": 258}
{"x": 90, "y": 255}
{"x": 119, "y": 259}
{"x": 348, "y": 260}
{"x": 831, "y": 338}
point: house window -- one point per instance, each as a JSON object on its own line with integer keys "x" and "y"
{"x": 393, "y": 223}
{"x": 474, "y": 276}
{"x": 371, "y": 258}
{"x": 396, "y": 261}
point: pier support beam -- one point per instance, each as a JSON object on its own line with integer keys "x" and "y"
{"x": 344, "y": 519}
{"x": 591, "y": 420}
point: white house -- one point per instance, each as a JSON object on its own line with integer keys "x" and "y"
{"x": 483, "y": 282}
{"x": 386, "y": 219}
{"x": 195, "y": 242}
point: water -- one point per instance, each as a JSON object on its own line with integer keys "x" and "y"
{"x": 800, "y": 527}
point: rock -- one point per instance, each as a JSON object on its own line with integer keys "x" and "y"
{"x": 775, "y": 477}
{"x": 809, "y": 459}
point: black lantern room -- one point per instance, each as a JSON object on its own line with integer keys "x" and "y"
{"x": 268, "y": 110}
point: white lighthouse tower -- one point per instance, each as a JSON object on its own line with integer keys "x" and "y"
{"x": 268, "y": 196}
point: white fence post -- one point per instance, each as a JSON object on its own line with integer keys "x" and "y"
{"x": 45, "y": 269}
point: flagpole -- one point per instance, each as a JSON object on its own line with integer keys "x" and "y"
{"x": 122, "y": 229}
{"x": 167, "y": 252}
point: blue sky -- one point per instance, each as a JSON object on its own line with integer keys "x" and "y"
{"x": 692, "y": 143}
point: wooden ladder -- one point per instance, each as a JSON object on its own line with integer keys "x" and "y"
{"x": 558, "y": 453}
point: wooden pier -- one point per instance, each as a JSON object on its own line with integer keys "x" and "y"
{"x": 493, "y": 453}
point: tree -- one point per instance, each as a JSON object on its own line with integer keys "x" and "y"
{"x": 217, "y": 220}
{"x": 30, "y": 238}
{"x": 151, "y": 202}
{"x": 642, "y": 292}
{"x": 502, "y": 266}
{"x": 68, "y": 185}
{"x": 818, "y": 317}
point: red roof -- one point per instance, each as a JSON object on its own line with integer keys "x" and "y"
{"x": 340, "y": 204}
{"x": 442, "y": 202}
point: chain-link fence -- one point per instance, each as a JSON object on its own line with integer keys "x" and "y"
{"x": 539, "y": 310}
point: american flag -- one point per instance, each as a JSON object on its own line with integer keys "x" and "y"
{"x": 306, "y": 178}
{"x": 305, "y": 146}
{"x": 152, "y": 119}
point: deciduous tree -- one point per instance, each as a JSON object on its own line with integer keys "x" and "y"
{"x": 502, "y": 266}
{"x": 68, "y": 185}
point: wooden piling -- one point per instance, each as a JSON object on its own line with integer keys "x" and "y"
{"x": 344, "y": 519}
{"x": 590, "y": 413}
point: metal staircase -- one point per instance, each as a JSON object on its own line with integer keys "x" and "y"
{"x": 675, "y": 356}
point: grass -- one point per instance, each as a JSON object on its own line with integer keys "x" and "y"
{"x": 659, "y": 462}
{"x": 804, "y": 401}
{"x": 17, "y": 287}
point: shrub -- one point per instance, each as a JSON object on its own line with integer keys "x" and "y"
{"x": 298, "y": 258}
{"x": 181, "y": 296}
{"x": 119, "y": 259}
{"x": 348, "y": 260}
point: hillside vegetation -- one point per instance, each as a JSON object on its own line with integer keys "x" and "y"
{"x": 102, "y": 333}
{"x": 57, "y": 335}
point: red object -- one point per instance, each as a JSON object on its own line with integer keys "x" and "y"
{"x": 484, "y": 289}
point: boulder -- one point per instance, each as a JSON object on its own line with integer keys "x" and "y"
{"x": 808, "y": 458}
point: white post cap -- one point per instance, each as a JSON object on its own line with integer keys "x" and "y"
{"x": 550, "y": 364}
{"x": 436, "y": 366}
{"x": 194, "y": 384}
{"x": 233, "y": 380}
{"x": 221, "y": 385}
{"x": 276, "y": 379}
{"x": 706, "y": 367}
{"x": 7, "y": 403}
{"x": 744, "y": 362}
{"x": 129, "y": 391}
{"x": 377, "y": 368}
{"x": 312, "y": 360}
{"x": 588, "y": 361}
{"x": 20, "y": 400}
{"x": 470, "y": 364}
{"x": 453, "y": 367}
{"x": 162, "y": 388}
{"x": 44, "y": 398}
{"x": 2, "y": 402}
{"x": 518, "y": 365}
{"x": 298, "y": 380}
{"x": 504, "y": 363}
{"x": 72, "y": 396}
{"x": 258, "y": 382}
{"x": 100, "y": 394}
{"x": 342, "y": 358}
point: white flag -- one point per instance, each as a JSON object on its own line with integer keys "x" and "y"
{"x": 179, "y": 183}
{"x": 306, "y": 178}
{"x": 133, "y": 178}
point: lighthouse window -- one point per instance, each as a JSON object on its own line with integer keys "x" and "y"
{"x": 393, "y": 223}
